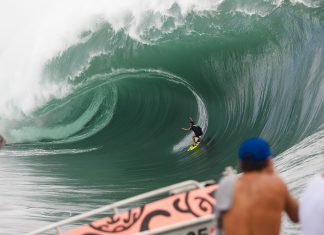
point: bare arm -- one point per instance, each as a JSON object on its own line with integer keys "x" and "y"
{"x": 291, "y": 206}
{"x": 189, "y": 128}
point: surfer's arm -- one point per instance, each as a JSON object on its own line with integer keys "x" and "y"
{"x": 186, "y": 129}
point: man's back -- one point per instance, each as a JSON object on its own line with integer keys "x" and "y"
{"x": 258, "y": 201}
{"x": 258, "y": 196}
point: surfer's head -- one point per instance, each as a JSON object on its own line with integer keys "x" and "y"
{"x": 191, "y": 123}
{"x": 254, "y": 154}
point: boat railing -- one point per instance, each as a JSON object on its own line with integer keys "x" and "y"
{"x": 172, "y": 189}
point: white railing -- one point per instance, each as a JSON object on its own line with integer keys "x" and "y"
{"x": 172, "y": 189}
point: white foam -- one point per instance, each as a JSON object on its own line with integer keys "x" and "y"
{"x": 308, "y": 3}
{"x": 252, "y": 12}
{"x": 43, "y": 152}
{"x": 35, "y": 31}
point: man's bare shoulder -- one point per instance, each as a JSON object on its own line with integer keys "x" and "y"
{"x": 272, "y": 177}
{"x": 261, "y": 182}
{"x": 276, "y": 181}
{"x": 275, "y": 177}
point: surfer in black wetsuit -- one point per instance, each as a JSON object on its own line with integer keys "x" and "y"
{"x": 196, "y": 130}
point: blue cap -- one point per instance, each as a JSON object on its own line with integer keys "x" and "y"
{"x": 255, "y": 149}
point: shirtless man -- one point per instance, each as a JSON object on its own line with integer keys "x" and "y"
{"x": 252, "y": 203}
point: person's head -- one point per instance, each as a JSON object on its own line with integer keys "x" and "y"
{"x": 191, "y": 123}
{"x": 254, "y": 155}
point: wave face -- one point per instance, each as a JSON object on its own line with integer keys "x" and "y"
{"x": 115, "y": 82}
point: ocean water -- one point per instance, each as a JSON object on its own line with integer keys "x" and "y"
{"x": 94, "y": 95}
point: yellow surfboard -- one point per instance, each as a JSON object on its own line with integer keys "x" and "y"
{"x": 192, "y": 147}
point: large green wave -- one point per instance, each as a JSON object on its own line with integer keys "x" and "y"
{"x": 239, "y": 74}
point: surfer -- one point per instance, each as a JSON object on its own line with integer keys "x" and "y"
{"x": 196, "y": 130}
